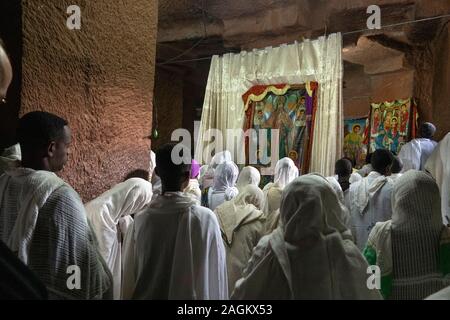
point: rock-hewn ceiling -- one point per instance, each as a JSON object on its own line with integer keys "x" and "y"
{"x": 190, "y": 29}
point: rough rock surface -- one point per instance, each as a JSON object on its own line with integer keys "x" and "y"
{"x": 99, "y": 78}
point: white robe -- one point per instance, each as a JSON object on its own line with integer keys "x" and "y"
{"x": 174, "y": 250}
{"x": 308, "y": 256}
{"x": 438, "y": 165}
{"x": 242, "y": 225}
{"x": 410, "y": 248}
{"x": 109, "y": 215}
{"x": 370, "y": 202}
{"x": 285, "y": 172}
{"x": 415, "y": 153}
{"x": 43, "y": 221}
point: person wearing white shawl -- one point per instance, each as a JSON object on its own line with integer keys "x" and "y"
{"x": 308, "y": 256}
{"x": 370, "y": 198}
{"x": 43, "y": 220}
{"x": 110, "y": 218}
{"x": 224, "y": 187}
{"x": 438, "y": 165}
{"x": 285, "y": 172}
{"x": 415, "y": 153}
{"x": 249, "y": 176}
{"x": 242, "y": 224}
{"x": 413, "y": 249}
{"x": 207, "y": 177}
{"x": 174, "y": 248}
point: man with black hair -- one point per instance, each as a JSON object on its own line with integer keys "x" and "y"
{"x": 415, "y": 153}
{"x": 343, "y": 169}
{"x": 174, "y": 250}
{"x": 43, "y": 220}
{"x": 397, "y": 166}
{"x": 370, "y": 198}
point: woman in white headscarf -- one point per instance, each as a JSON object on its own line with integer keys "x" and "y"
{"x": 109, "y": 215}
{"x": 438, "y": 165}
{"x": 308, "y": 256}
{"x": 285, "y": 172}
{"x": 413, "y": 249}
{"x": 207, "y": 175}
{"x": 249, "y": 176}
{"x": 242, "y": 224}
{"x": 224, "y": 187}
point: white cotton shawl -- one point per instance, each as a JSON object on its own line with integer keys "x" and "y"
{"x": 249, "y": 176}
{"x": 307, "y": 257}
{"x": 224, "y": 187}
{"x": 362, "y": 191}
{"x": 43, "y": 220}
{"x": 174, "y": 250}
{"x": 109, "y": 215}
{"x": 438, "y": 165}
{"x": 34, "y": 194}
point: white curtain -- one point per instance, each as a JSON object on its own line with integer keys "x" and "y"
{"x": 232, "y": 75}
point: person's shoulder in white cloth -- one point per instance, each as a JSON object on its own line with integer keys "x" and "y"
{"x": 438, "y": 166}
{"x": 415, "y": 153}
{"x": 174, "y": 249}
{"x": 110, "y": 217}
{"x": 49, "y": 230}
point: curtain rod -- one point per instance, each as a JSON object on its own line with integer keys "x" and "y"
{"x": 170, "y": 61}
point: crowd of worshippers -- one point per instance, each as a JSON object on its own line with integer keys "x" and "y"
{"x": 210, "y": 232}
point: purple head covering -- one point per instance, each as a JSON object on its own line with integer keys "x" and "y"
{"x": 195, "y": 169}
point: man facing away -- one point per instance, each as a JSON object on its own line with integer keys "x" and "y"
{"x": 174, "y": 249}
{"x": 43, "y": 220}
{"x": 415, "y": 153}
{"x": 370, "y": 198}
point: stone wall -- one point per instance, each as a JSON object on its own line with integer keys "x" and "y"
{"x": 99, "y": 78}
{"x": 168, "y": 105}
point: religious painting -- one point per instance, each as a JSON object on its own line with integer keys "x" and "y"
{"x": 290, "y": 109}
{"x": 354, "y": 136}
{"x": 392, "y": 124}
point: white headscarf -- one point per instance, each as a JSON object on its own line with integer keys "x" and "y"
{"x": 285, "y": 172}
{"x": 438, "y": 165}
{"x": 225, "y": 178}
{"x": 307, "y": 257}
{"x": 207, "y": 177}
{"x": 246, "y": 206}
{"x": 248, "y": 176}
{"x": 220, "y": 158}
{"x": 407, "y": 247}
{"x": 362, "y": 191}
{"x": 111, "y": 211}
